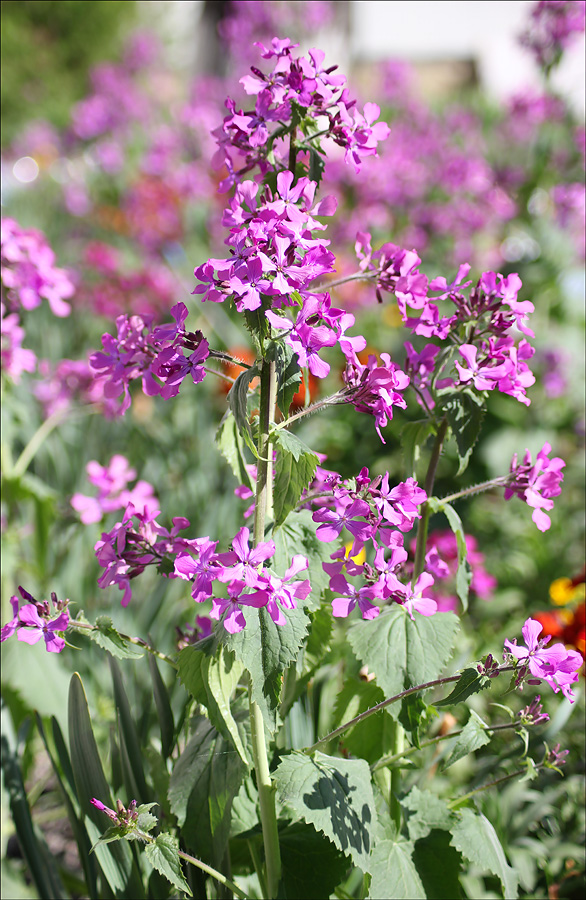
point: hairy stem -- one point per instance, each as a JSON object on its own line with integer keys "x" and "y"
{"x": 424, "y": 520}
{"x": 126, "y": 637}
{"x": 458, "y": 800}
{"x": 263, "y": 507}
{"x": 477, "y": 488}
{"x": 374, "y": 709}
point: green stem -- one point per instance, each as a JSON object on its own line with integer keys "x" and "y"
{"x": 424, "y": 520}
{"x": 321, "y": 404}
{"x": 357, "y": 276}
{"x": 266, "y": 796}
{"x": 257, "y": 863}
{"x": 374, "y": 709}
{"x": 397, "y": 744}
{"x": 389, "y": 760}
{"x": 477, "y": 488}
{"x": 263, "y": 507}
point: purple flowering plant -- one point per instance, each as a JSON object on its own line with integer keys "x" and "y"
{"x": 325, "y": 554}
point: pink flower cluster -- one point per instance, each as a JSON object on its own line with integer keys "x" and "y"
{"x": 441, "y": 560}
{"x": 14, "y": 358}
{"x": 113, "y": 493}
{"x": 370, "y": 511}
{"x": 28, "y": 272}
{"x": 307, "y": 84}
{"x": 536, "y": 483}
{"x": 109, "y": 290}
{"x": 490, "y": 316}
{"x": 69, "y": 380}
{"x": 136, "y": 542}
{"x": 155, "y": 357}
{"x": 555, "y": 665}
{"x": 553, "y": 26}
{"x": 38, "y": 619}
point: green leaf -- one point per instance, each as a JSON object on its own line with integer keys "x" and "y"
{"x": 476, "y": 839}
{"x": 474, "y": 735}
{"x": 163, "y": 704}
{"x": 415, "y": 715}
{"x": 106, "y": 636}
{"x": 129, "y": 736}
{"x": 464, "y": 411}
{"x": 401, "y": 652}
{"x": 238, "y": 400}
{"x": 113, "y": 833}
{"x": 297, "y": 535}
{"x": 163, "y": 855}
{"x": 245, "y": 809}
{"x": 116, "y": 861}
{"x": 204, "y": 782}
{"x": 312, "y": 865}
{"x": 428, "y": 812}
{"x": 393, "y": 872}
{"x": 414, "y": 437}
{"x": 288, "y": 375}
{"x": 369, "y": 739}
{"x": 294, "y": 468}
{"x": 211, "y": 680}
{"x": 266, "y": 650}
{"x": 470, "y": 682}
{"x": 35, "y": 851}
{"x": 232, "y": 449}
{"x": 335, "y": 796}
{"x": 438, "y": 865}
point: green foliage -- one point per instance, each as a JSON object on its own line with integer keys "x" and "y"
{"x": 464, "y": 411}
{"x": 335, "y": 796}
{"x": 476, "y": 839}
{"x": 393, "y": 871}
{"x": 474, "y": 735}
{"x": 47, "y": 49}
{"x": 464, "y": 573}
{"x": 470, "y": 682}
{"x": 294, "y": 469}
{"x": 312, "y": 865}
{"x": 163, "y": 855}
{"x": 204, "y": 782}
{"x": 402, "y": 652}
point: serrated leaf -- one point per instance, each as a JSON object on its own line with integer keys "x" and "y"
{"x": 335, "y": 796}
{"x": 106, "y": 636}
{"x": 163, "y": 855}
{"x": 402, "y": 652}
{"x": 414, "y": 436}
{"x": 438, "y": 865}
{"x": 113, "y": 833}
{"x": 203, "y": 784}
{"x": 311, "y": 864}
{"x": 393, "y": 872}
{"x": 464, "y": 411}
{"x": 297, "y": 535}
{"x": 232, "y": 449}
{"x": 470, "y": 682}
{"x": 294, "y": 468}
{"x": 474, "y": 735}
{"x": 266, "y": 650}
{"x": 476, "y": 839}
{"x": 428, "y": 811}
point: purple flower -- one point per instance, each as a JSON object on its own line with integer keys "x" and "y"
{"x": 284, "y": 591}
{"x": 343, "y": 605}
{"x": 34, "y": 620}
{"x": 235, "y": 620}
{"x": 536, "y": 484}
{"x": 412, "y": 597}
{"x": 376, "y": 388}
{"x": 247, "y": 560}
{"x": 555, "y": 665}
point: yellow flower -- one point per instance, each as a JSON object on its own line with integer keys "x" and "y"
{"x": 562, "y": 591}
{"x": 360, "y": 558}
